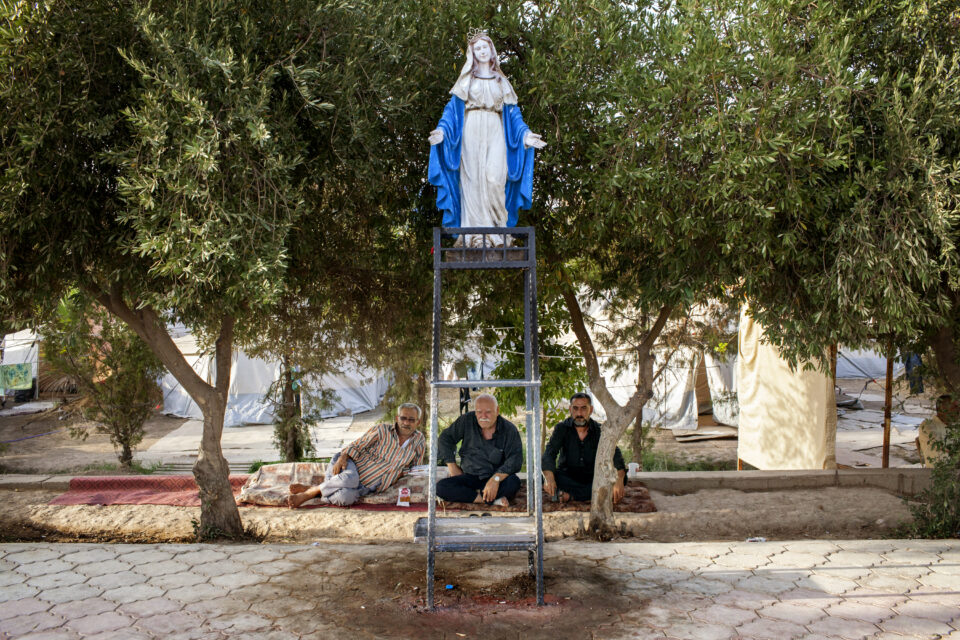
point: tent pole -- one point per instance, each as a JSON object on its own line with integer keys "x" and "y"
{"x": 887, "y": 401}
{"x": 739, "y": 464}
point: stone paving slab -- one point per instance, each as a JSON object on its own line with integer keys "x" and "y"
{"x": 809, "y": 589}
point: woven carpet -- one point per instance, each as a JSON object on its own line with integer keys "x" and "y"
{"x": 181, "y": 491}
{"x": 636, "y": 499}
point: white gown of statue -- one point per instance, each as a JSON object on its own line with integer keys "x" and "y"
{"x": 483, "y": 159}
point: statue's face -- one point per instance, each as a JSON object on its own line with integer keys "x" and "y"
{"x": 481, "y": 51}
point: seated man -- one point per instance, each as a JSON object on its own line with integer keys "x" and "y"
{"x": 576, "y": 440}
{"x": 371, "y": 464}
{"x": 490, "y": 456}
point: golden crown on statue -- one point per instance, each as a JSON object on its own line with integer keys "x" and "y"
{"x": 473, "y": 34}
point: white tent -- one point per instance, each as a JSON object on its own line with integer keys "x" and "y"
{"x": 674, "y": 402}
{"x": 20, "y": 348}
{"x": 864, "y": 363}
{"x": 355, "y": 390}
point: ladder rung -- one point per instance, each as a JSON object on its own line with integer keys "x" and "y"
{"x": 459, "y": 384}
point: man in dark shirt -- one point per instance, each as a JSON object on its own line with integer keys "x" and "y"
{"x": 491, "y": 453}
{"x": 576, "y": 440}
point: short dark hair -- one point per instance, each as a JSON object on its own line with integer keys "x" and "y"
{"x": 583, "y": 395}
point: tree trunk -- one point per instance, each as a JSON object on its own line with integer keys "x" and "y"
{"x": 126, "y": 456}
{"x": 945, "y": 351}
{"x": 636, "y": 442}
{"x": 605, "y": 474}
{"x": 218, "y": 511}
{"x": 618, "y": 417}
{"x": 290, "y": 437}
{"x": 422, "y": 388}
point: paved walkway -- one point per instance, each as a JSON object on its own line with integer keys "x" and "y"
{"x": 811, "y": 589}
{"x": 243, "y": 445}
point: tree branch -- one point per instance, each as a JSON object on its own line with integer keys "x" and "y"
{"x": 644, "y": 391}
{"x": 147, "y": 324}
{"x": 597, "y": 384}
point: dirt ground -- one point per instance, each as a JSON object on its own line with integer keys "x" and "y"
{"x": 707, "y": 515}
{"x": 702, "y": 516}
{"x": 41, "y": 443}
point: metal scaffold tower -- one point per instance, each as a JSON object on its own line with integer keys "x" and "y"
{"x": 517, "y": 250}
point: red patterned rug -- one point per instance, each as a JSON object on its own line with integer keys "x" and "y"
{"x": 181, "y": 491}
{"x": 178, "y": 491}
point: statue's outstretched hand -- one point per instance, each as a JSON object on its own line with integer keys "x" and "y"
{"x": 436, "y": 136}
{"x": 533, "y": 140}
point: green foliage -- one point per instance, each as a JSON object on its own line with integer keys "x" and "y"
{"x": 203, "y": 533}
{"x": 114, "y": 368}
{"x": 135, "y": 467}
{"x": 561, "y": 368}
{"x": 936, "y": 511}
{"x": 291, "y": 436}
{"x": 212, "y": 163}
{"x": 873, "y": 254}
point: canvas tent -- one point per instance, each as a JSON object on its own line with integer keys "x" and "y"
{"x": 788, "y": 418}
{"x": 355, "y": 390}
{"x": 21, "y": 348}
{"x": 674, "y": 403}
{"x": 865, "y": 363}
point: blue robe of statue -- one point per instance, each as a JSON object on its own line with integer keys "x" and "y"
{"x": 444, "y": 170}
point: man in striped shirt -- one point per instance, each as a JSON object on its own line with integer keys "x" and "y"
{"x": 371, "y": 464}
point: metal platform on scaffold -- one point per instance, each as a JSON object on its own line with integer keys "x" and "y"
{"x": 490, "y": 248}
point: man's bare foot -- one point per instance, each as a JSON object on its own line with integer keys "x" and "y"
{"x": 564, "y": 497}
{"x": 501, "y": 502}
{"x": 297, "y": 499}
{"x": 298, "y": 488}
{"x": 479, "y": 499}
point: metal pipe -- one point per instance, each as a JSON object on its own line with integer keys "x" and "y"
{"x": 538, "y": 496}
{"x": 887, "y": 401}
{"x": 434, "y": 424}
{"x": 456, "y": 384}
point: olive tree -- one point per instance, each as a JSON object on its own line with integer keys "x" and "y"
{"x": 165, "y": 158}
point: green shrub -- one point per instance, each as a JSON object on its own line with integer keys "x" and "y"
{"x": 936, "y": 511}
{"x": 115, "y": 370}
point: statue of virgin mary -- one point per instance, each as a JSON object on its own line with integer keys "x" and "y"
{"x": 481, "y": 154}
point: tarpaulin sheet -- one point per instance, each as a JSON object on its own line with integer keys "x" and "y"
{"x": 788, "y": 419}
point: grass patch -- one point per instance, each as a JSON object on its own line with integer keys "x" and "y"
{"x": 260, "y": 463}
{"x": 114, "y": 467}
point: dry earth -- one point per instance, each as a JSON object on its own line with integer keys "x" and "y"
{"x": 702, "y": 516}
{"x": 41, "y": 443}
{"x": 720, "y": 514}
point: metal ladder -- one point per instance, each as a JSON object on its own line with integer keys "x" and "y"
{"x": 494, "y": 533}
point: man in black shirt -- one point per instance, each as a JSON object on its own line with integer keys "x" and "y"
{"x": 576, "y": 440}
{"x": 491, "y": 453}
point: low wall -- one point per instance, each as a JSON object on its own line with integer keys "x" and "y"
{"x": 902, "y": 481}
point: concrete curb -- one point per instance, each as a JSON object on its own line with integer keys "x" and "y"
{"x": 902, "y": 481}
{"x": 18, "y": 481}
